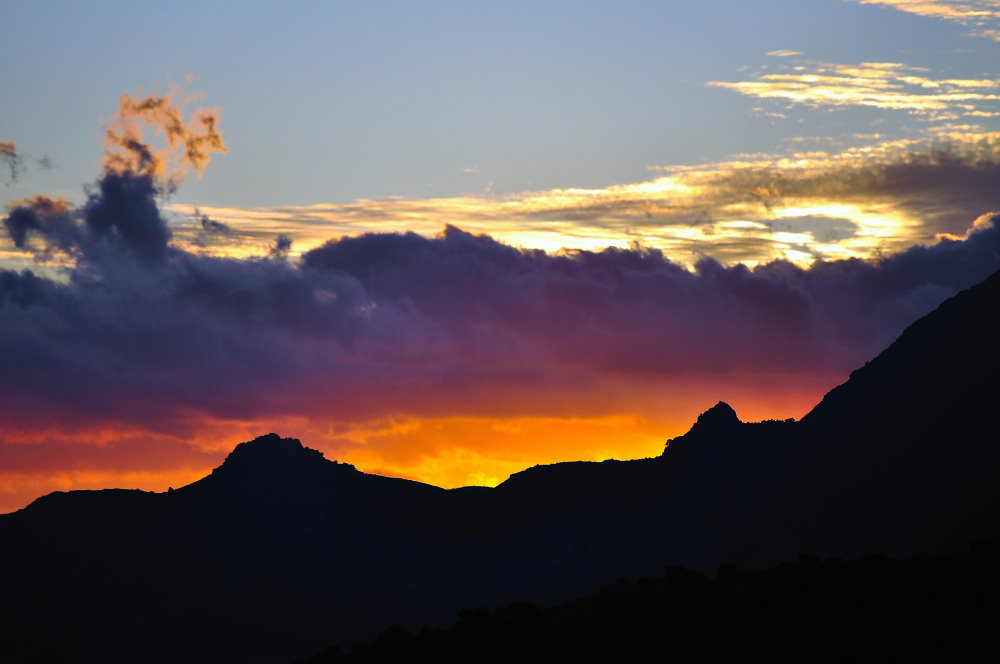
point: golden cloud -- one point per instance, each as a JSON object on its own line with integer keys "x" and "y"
{"x": 868, "y": 200}
{"x": 880, "y": 85}
{"x": 982, "y": 15}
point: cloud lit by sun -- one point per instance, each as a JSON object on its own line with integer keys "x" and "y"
{"x": 803, "y": 207}
{"x": 188, "y": 145}
{"x": 983, "y": 16}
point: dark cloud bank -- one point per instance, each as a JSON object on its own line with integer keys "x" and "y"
{"x": 142, "y": 331}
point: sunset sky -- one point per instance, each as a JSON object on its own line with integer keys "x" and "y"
{"x": 447, "y": 241}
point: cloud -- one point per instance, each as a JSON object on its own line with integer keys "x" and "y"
{"x": 212, "y": 227}
{"x": 143, "y": 331}
{"x": 124, "y": 212}
{"x": 982, "y": 15}
{"x": 282, "y": 245}
{"x": 10, "y": 158}
{"x": 188, "y": 332}
{"x": 880, "y": 85}
{"x": 48, "y": 217}
{"x": 931, "y": 190}
{"x": 895, "y": 194}
{"x": 14, "y": 161}
{"x": 454, "y": 334}
{"x": 121, "y": 216}
{"x": 189, "y": 144}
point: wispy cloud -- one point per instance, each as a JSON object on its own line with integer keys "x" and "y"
{"x": 10, "y": 158}
{"x": 13, "y": 161}
{"x": 983, "y": 16}
{"x": 879, "y": 85}
{"x": 878, "y": 198}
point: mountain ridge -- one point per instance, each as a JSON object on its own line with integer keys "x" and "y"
{"x": 288, "y": 552}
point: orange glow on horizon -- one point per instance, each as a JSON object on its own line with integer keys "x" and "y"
{"x": 18, "y": 490}
{"x": 447, "y": 451}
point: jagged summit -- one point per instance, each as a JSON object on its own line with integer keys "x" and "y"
{"x": 721, "y": 415}
{"x": 276, "y": 476}
{"x": 269, "y": 453}
{"x": 720, "y": 421}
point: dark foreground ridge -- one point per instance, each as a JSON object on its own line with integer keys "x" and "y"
{"x": 925, "y": 607}
{"x": 281, "y": 552}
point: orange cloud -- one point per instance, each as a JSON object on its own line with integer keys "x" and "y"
{"x": 188, "y": 144}
{"x": 43, "y": 205}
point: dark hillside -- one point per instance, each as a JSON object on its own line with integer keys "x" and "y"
{"x": 280, "y": 552}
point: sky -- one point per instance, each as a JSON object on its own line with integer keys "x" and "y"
{"x": 448, "y": 241}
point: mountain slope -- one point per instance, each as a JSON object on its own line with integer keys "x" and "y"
{"x": 280, "y": 552}
{"x": 911, "y": 437}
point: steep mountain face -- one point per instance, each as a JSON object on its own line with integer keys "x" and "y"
{"x": 280, "y": 552}
{"x": 909, "y": 442}
{"x": 941, "y": 372}
{"x": 902, "y": 458}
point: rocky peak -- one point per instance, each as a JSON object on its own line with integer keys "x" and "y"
{"x": 719, "y": 421}
{"x": 719, "y": 416}
{"x": 269, "y": 453}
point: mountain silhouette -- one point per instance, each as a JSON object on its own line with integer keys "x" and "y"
{"x": 280, "y": 552}
{"x": 923, "y": 607}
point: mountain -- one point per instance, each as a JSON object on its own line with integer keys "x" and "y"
{"x": 280, "y": 552}
{"x": 920, "y": 608}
